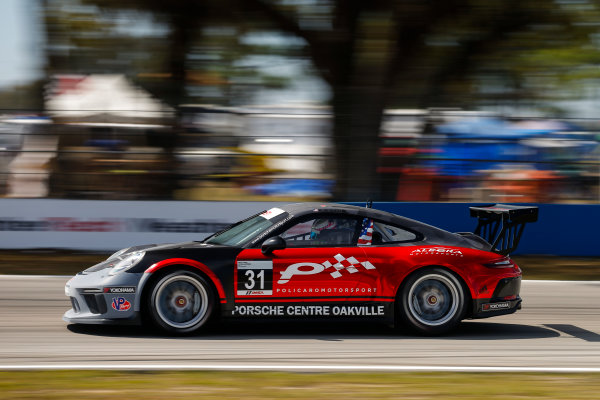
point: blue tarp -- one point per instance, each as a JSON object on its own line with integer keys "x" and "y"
{"x": 473, "y": 145}
{"x": 487, "y": 128}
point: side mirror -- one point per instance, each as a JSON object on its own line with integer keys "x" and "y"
{"x": 272, "y": 244}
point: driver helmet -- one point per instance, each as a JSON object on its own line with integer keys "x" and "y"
{"x": 320, "y": 225}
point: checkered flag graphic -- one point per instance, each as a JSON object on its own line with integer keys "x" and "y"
{"x": 349, "y": 264}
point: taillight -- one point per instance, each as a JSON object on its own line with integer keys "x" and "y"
{"x": 504, "y": 262}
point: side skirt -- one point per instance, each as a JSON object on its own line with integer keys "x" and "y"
{"x": 313, "y": 310}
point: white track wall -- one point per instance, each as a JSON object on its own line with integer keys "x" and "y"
{"x": 562, "y": 229}
{"x": 112, "y": 225}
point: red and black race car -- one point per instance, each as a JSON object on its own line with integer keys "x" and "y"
{"x": 313, "y": 261}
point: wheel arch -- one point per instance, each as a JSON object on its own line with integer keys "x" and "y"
{"x": 166, "y": 266}
{"x": 147, "y": 313}
{"x": 457, "y": 274}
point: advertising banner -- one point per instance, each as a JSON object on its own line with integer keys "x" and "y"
{"x": 561, "y": 229}
{"x": 112, "y": 225}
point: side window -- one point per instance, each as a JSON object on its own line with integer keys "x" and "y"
{"x": 323, "y": 231}
{"x": 384, "y": 233}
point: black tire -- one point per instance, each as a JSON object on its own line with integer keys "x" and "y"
{"x": 181, "y": 302}
{"x": 431, "y": 301}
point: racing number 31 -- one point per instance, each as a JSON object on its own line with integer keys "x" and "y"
{"x": 255, "y": 278}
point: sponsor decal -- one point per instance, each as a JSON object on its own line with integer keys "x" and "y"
{"x": 59, "y": 224}
{"x": 334, "y": 267}
{"x": 313, "y": 310}
{"x": 495, "y": 306}
{"x": 268, "y": 232}
{"x": 117, "y": 290}
{"x": 175, "y": 226}
{"x": 272, "y": 213}
{"x": 437, "y": 251}
{"x": 255, "y": 278}
{"x": 329, "y": 290}
{"x": 120, "y": 304}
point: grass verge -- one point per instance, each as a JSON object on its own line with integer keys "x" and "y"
{"x": 47, "y": 262}
{"x": 147, "y": 385}
{"x": 559, "y": 268}
{"x": 63, "y": 262}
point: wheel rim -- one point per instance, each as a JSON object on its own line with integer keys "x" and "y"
{"x": 181, "y": 301}
{"x": 433, "y": 299}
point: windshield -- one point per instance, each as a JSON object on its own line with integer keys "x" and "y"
{"x": 241, "y": 233}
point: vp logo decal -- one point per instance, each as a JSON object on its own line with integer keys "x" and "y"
{"x": 120, "y": 304}
{"x": 342, "y": 263}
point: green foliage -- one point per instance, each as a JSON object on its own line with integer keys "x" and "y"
{"x": 373, "y": 54}
{"x": 26, "y": 98}
{"x": 182, "y": 51}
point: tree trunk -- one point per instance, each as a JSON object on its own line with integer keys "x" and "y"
{"x": 357, "y": 120}
{"x": 359, "y": 98}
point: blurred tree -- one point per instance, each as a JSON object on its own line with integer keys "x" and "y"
{"x": 181, "y": 51}
{"x": 503, "y": 53}
{"x": 373, "y": 54}
{"x": 427, "y": 53}
{"x": 198, "y": 44}
{"x": 26, "y": 97}
{"x": 351, "y": 43}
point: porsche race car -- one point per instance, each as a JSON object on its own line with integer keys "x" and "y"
{"x": 313, "y": 261}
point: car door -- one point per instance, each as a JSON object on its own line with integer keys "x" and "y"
{"x": 389, "y": 247}
{"x": 321, "y": 263}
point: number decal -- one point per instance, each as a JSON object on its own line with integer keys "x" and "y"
{"x": 250, "y": 279}
{"x": 261, "y": 276}
{"x": 255, "y": 278}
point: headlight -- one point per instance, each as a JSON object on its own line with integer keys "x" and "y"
{"x": 127, "y": 262}
{"x": 118, "y": 253}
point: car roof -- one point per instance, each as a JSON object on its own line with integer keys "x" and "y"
{"x": 299, "y": 209}
{"x": 432, "y": 235}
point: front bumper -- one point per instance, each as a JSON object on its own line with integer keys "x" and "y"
{"x": 99, "y": 298}
{"x": 73, "y": 317}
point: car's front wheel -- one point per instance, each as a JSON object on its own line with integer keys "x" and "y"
{"x": 180, "y": 302}
{"x": 432, "y": 301}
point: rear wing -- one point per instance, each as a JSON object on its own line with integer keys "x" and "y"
{"x": 502, "y": 225}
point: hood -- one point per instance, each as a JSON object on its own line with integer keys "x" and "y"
{"x": 162, "y": 246}
{"x": 119, "y": 255}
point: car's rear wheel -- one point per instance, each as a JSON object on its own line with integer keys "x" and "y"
{"x": 431, "y": 301}
{"x": 180, "y": 302}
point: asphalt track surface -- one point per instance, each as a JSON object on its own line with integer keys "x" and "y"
{"x": 558, "y": 328}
